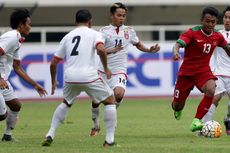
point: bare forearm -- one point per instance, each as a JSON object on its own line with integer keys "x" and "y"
{"x": 20, "y": 72}
{"x": 53, "y": 73}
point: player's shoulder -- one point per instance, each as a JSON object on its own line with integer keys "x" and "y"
{"x": 196, "y": 28}
{"x": 105, "y": 28}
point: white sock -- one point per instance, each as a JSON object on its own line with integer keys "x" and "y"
{"x": 11, "y": 121}
{"x": 209, "y": 115}
{"x": 95, "y": 117}
{"x": 58, "y": 117}
{"x": 110, "y": 117}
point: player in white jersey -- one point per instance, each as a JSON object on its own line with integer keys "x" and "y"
{"x": 79, "y": 48}
{"x": 117, "y": 35}
{"x": 10, "y": 43}
{"x": 220, "y": 64}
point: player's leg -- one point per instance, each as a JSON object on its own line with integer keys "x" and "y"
{"x": 118, "y": 84}
{"x": 70, "y": 93}
{"x": 227, "y": 118}
{"x": 206, "y": 83}
{"x": 3, "y": 108}
{"x": 101, "y": 92}
{"x": 95, "y": 118}
{"x": 219, "y": 93}
{"x": 182, "y": 89}
{"x": 14, "y": 106}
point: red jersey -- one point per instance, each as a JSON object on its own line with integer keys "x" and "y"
{"x": 198, "y": 50}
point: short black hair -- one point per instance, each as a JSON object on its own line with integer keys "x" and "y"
{"x": 115, "y": 6}
{"x": 18, "y": 16}
{"x": 227, "y": 9}
{"x": 210, "y": 10}
{"x": 83, "y": 16}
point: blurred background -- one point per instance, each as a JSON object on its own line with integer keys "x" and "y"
{"x": 155, "y": 21}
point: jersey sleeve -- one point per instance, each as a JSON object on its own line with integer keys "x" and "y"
{"x": 133, "y": 36}
{"x": 7, "y": 43}
{"x": 99, "y": 39}
{"x": 61, "y": 49}
{"x": 223, "y": 43}
{"x": 185, "y": 38}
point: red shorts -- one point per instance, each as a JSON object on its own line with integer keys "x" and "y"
{"x": 185, "y": 84}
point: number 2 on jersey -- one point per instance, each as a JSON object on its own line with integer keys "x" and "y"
{"x": 75, "y": 40}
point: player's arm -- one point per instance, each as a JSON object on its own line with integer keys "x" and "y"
{"x": 20, "y": 72}
{"x": 143, "y": 48}
{"x": 103, "y": 57}
{"x": 175, "y": 50}
{"x": 114, "y": 50}
{"x": 3, "y": 83}
{"x": 53, "y": 71}
{"x": 227, "y": 49}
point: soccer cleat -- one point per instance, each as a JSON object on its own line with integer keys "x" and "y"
{"x": 177, "y": 114}
{"x": 94, "y": 132}
{"x": 196, "y": 125}
{"x": 106, "y": 144}
{"x": 47, "y": 142}
{"x": 7, "y": 137}
{"x": 227, "y": 125}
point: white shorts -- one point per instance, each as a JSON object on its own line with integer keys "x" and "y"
{"x": 97, "y": 90}
{"x": 116, "y": 80}
{"x": 222, "y": 85}
{"x": 6, "y": 95}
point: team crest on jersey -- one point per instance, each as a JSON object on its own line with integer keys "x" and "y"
{"x": 214, "y": 42}
{"x": 126, "y": 33}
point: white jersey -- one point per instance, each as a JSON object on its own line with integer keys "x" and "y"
{"x": 78, "y": 48}
{"x": 113, "y": 37}
{"x": 220, "y": 61}
{"x": 10, "y": 42}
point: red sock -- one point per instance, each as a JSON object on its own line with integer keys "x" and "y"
{"x": 203, "y": 106}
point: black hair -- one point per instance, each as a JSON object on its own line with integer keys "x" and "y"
{"x": 83, "y": 16}
{"x": 227, "y": 9}
{"x": 210, "y": 10}
{"x": 115, "y": 6}
{"x": 18, "y": 16}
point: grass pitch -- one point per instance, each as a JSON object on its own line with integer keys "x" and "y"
{"x": 144, "y": 126}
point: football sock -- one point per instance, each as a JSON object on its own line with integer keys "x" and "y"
{"x": 11, "y": 121}
{"x": 228, "y": 115}
{"x": 110, "y": 117}
{"x": 58, "y": 117}
{"x": 203, "y": 106}
{"x": 209, "y": 115}
{"x": 95, "y": 117}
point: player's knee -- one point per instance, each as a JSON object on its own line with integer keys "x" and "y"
{"x": 3, "y": 117}
{"x": 108, "y": 101}
{"x": 210, "y": 92}
{"x": 119, "y": 97}
{"x": 16, "y": 107}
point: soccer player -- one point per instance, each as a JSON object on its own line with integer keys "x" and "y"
{"x": 220, "y": 64}
{"x": 117, "y": 35}
{"x": 199, "y": 43}
{"x": 10, "y": 43}
{"x": 79, "y": 47}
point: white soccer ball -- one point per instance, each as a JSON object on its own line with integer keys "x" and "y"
{"x": 211, "y": 129}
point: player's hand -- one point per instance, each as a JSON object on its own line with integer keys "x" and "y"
{"x": 114, "y": 50}
{"x": 108, "y": 73}
{"x": 154, "y": 48}
{"x": 54, "y": 86}
{"x": 41, "y": 91}
{"x": 3, "y": 84}
{"x": 176, "y": 56}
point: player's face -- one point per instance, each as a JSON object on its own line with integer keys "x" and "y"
{"x": 226, "y": 20}
{"x": 24, "y": 29}
{"x": 119, "y": 17}
{"x": 209, "y": 23}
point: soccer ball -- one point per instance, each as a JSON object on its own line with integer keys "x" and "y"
{"x": 211, "y": 129}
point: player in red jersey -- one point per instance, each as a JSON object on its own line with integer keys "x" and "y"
{"x": 199, "y": 43}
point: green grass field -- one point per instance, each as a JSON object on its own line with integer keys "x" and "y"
{"x": 144, "y": 126}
